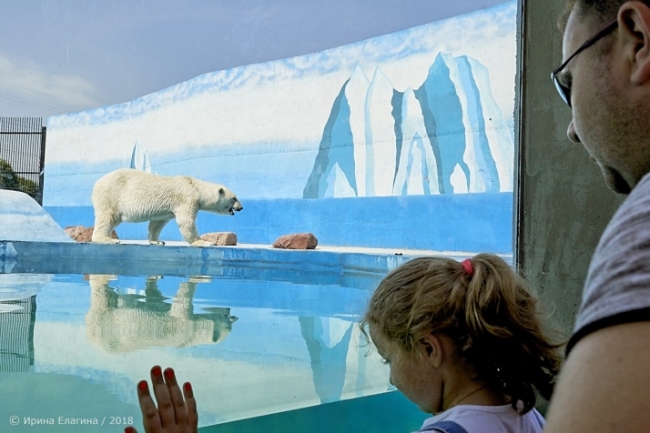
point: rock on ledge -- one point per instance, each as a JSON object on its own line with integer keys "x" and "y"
{"x": 83, "y": 234}
{"x": 296, "y": 241}
{"x": 220, "y": 239}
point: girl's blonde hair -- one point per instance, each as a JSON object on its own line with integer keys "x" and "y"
{"x": 490, "y": 314}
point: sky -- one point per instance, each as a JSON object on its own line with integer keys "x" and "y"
{"x": 63, "y": 56}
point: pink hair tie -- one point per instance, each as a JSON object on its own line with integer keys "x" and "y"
{"x": 469, "y": 269}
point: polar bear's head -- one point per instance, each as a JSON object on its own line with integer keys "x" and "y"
{"x": 227, "y": 202}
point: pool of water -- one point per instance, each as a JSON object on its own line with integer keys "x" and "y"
{"x": 254, "y": 337}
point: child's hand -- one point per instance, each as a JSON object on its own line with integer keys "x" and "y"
{"x": 173, "y": 414}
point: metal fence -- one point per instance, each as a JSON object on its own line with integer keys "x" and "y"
{"x": 22, "y": 155}
{"x": 17, "y": 335}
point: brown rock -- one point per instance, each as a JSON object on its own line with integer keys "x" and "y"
{"x": 220, "y": 238}
{"x": 296, "y": 241}
{"x": 83, "y": 234}
{"x": 74, "y": 231}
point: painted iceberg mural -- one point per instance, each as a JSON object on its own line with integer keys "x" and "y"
{"x": 446, "y": 136}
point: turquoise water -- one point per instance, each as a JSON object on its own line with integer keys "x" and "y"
{"x": 381, "y": 413}
{"x": 264, "y": 344}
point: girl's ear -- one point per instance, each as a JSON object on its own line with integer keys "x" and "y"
{"x": 432, "y": 348}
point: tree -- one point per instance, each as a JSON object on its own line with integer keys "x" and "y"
{"x": 7, "y": 176}
{"x": 9, "y": 180}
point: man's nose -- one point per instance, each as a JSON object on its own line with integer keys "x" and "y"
{"x": 572, "y": 134}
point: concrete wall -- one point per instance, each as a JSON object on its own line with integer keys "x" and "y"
{"x": 563, "y": 204}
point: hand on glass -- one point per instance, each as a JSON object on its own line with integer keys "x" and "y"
{"x": 176, "y": 411}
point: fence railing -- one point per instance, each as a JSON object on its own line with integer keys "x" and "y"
{"x": 22, "y": 155}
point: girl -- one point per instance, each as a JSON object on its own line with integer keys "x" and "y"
{"x": 464, "y": 342}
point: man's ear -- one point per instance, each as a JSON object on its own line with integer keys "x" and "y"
{"x": 432, "y": 348}
{"x": 634, "y": 25}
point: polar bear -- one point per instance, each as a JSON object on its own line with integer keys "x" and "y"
{"x": 128, "y": 195}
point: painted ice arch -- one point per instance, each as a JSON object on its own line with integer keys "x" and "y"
{"x": 419, "y": 141}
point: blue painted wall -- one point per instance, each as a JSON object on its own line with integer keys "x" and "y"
{"x": 454, "y": 222}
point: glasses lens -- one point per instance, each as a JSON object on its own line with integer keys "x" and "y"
{"x": 564, "y": 91}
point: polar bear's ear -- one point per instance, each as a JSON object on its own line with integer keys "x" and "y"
{"x": 221, "y": 191}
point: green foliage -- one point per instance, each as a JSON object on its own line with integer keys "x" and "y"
{"x": 7, "y": 176}
{"x": 28, "y": 186}
{"x": 9, "y": 180}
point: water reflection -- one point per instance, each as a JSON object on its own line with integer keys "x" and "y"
{"x": 293, "y": 344}
{"x": 17, "y": 318}
{"x": 328, "y": 341}
{"x": 125, "y": 322}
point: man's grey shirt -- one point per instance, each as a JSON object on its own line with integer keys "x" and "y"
{"x": 617, "y": 289}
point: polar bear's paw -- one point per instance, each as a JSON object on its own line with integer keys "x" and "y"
{"x": 201, "y": 243}
{"x": 156, "y": 243}
{"x": 105, "y": 241}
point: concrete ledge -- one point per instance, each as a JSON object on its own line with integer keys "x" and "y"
{"x": 335, "y": 266}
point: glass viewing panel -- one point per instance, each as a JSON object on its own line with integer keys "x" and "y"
{"x": 397, "y": 145}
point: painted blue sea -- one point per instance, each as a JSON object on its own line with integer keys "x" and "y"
{"x": 453, "y": 222}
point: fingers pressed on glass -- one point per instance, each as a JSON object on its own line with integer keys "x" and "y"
{"x": 190, "y": 405}
{"x": 176, "y": 396}
{"x": 150, "y": 417}
{"x": 166, "y": 410}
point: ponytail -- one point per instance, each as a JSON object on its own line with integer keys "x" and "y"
{"x": 505, "y": 342}
{"x": 484, "y": 307}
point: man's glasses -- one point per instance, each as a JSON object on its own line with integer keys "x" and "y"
{"x": 565, "y": 91}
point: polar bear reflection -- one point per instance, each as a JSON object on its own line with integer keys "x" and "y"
{"x": 122, "y": 323}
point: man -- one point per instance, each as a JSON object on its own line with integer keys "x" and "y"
{"x": 605, "y": 77}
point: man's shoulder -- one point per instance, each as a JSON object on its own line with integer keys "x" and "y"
{"x": 617, "y": 289}
{"x": 606, "y": 377}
